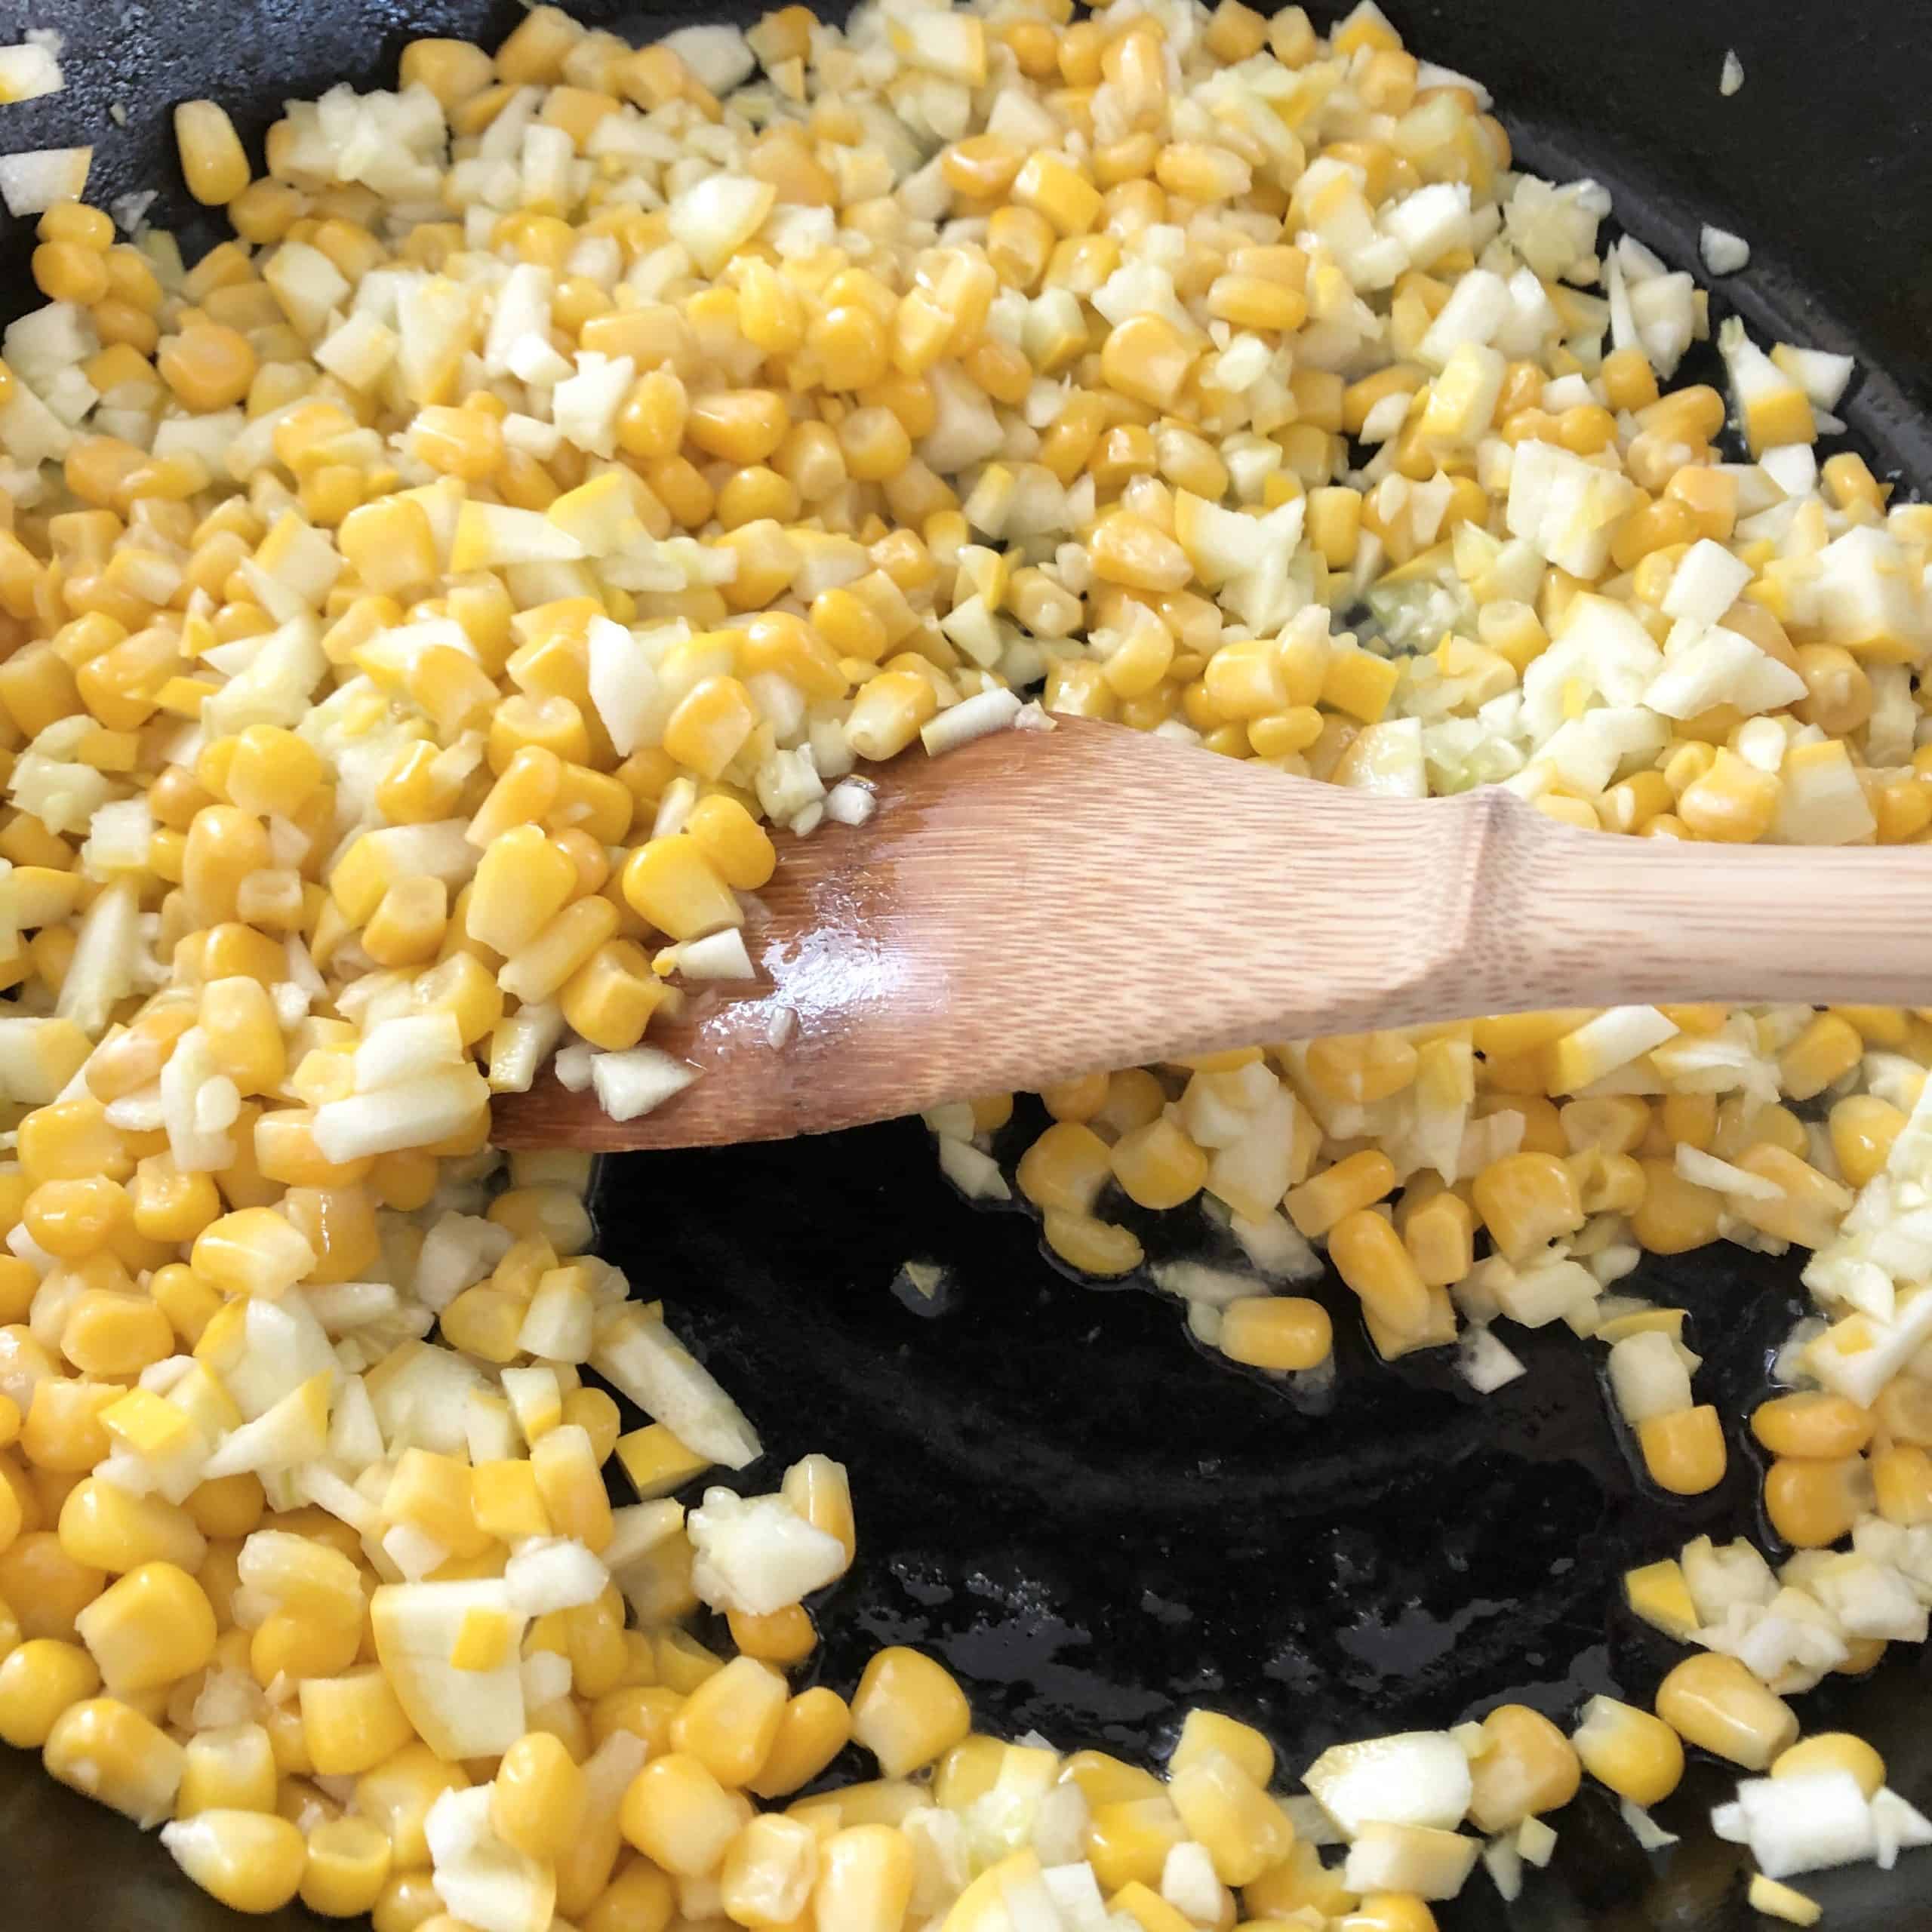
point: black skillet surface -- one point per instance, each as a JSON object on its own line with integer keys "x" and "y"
{"x": 1094, "y": 1524}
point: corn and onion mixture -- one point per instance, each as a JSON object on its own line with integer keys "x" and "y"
{"x": 419, "y": 616}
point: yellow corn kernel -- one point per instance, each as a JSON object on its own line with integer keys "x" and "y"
{"x": 351, "y": 1722}
{"x": 537, "y": 1798}
{"x": 1638, "y": 1756}
{"x": 397, "y": 1795}
{"x": 738, "y": 426}
{"x": 1733, "y": 801}
{"x": 347, "y": 1866}
{"x": 1684, "y": 1451}
{"x": 1675, "y": 1215}
{"x": 1359, "y": 1069}
{"x": 1863, "y": 1129}
{"x": 1526, "y": 1766}
{"x": 1329, "y": 1197}
{"x": 908, "y": 1711}
{"x": 244, "y": 1036}
{"x": 109, "y": 1751}
{"x": 210, "y": 152}
{"x": 1658, "y": 1594}
{"x": 152, "y": 1626}
{"x": 289, "y": 1645}
{"x": 104, "y": 1527}
{"x": 671, "y": 883}
{"x": 730, "y": 1722}
{"x": 1157, "y": 1165}
{"x": 1128, "y": 549}
{"x": 229, "y": 1769}
{"x": 814, "y": 1728}
{"x": 453, "y": 70}
{"x": 710, "y": 724}
{"x": 572, "y": 1487}
{"x": 434, "y": 1493}
{"x": 1440, "y": 1236}
{"x": 784, "y": 1636}
{"x": 768, "y": 1873}
{"x": 63, "y": 1433}
{"x": 1812, "y": 1503}
{"x": 224, "y": 845}
{"x": 1144, "y": 1908}
{"x": 1222, "y": 1807}
{"x": 1525, "y": 1200}
{"x": 251, "y": 1861}
{"x": 656, "y": 1462}
{"x": 1088, "y": 1244}
{"x": 1775, "y": 1900}
{"x": 1901, "y": 1483}
{"x": 1827, "y": 1050}
{"x": 1813, "y": 1424}
{"x": 1711, "y": 1700}
{"x": 737, "y": 846}
{"x": 522, "y": 881}
{"x": 679, "y": 1816}
{"x": 74, "y": 1218}
{"x": 887, "y": 713}
{"x": 408, "y": 1900}
{"x": 865, "y": 1880}
{"x": 39, "y": 1679}
{"x": 1833, "y": 1751}
{"x": 1285, "y": 1333}
{"x": 1129, "y": 1839}
{"x": 1359, "y": 684}
{"x": 1371, "y": 1258}
{"x": 609, "y": 999}
{"x": 208, "y": 366}
{"x": 540, "y": 970}
{"x": 252, "y": 1251}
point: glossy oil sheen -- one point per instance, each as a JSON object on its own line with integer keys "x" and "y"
{"x": 1091, "y": 1521}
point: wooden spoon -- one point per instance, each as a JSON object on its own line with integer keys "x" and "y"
{"x": 1037, "y": 904}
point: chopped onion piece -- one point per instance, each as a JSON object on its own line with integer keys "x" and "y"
{"x": 971, "y": 718}
{"x": 1648, "y": 1377}
{"x": 31, "y": 183}
{"x": 1650, "y": 1836}
{"x": 549, "y": 1573}
{"x": 631, "y": 1083}
{"x": 1417, "y": 1777}
{"x": 1485, "y": 1363}
{"x": 977, "y": 1175}
{"x": 641, "y": 1357}
{"x": 31, "y": 69}
{"x": 1805, "y": 1823}
{"x": 1723, "y": 252}
{"x": 717, "y": 956}
{"x": 757, "y": 1555}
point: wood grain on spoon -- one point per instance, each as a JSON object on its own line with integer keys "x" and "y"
{"x": 1039, "y": 904}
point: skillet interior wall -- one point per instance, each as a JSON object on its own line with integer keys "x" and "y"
{"x": 1058, "y": 1494}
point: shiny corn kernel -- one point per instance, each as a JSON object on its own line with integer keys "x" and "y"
{"x": 1685, "y": 1452}
{"x": 1638, "y": 1756}
{"x": 250, "y": 1861}
{"x": 211, "y": 151}
{"x": 907, "y": 1711}
{"x": 679, "y": 1816}
{"x": 537, "y": 1798}
{"x": 1711, "y": 1700}
{"x": 1284, "y": 1332}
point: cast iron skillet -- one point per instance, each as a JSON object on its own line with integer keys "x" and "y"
{"x": 1093, "y": 1523}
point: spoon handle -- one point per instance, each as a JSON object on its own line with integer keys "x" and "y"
{"x": 1571, "y": 918}
{"x": 1035, "y": 906}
